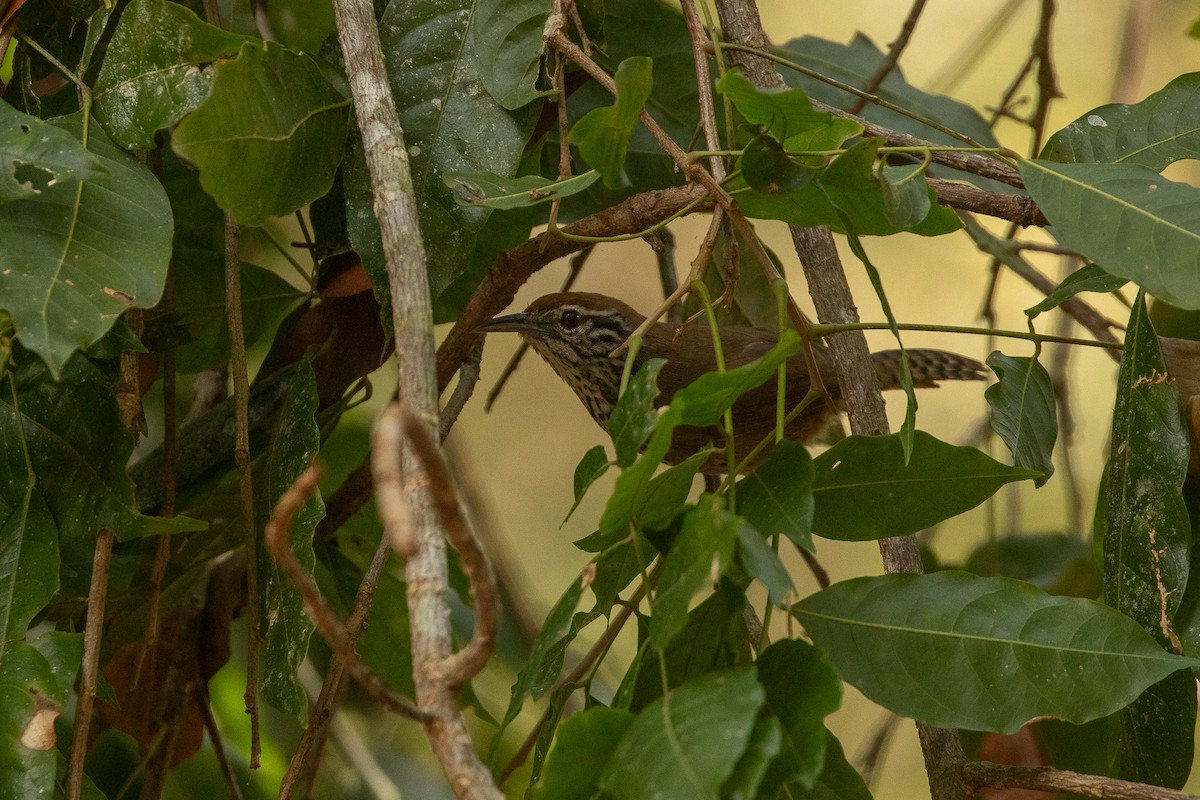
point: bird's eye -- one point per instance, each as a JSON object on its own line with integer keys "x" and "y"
{"x": 570, "y": 319}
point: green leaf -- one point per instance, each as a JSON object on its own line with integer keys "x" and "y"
{"x": 199, "y": 280}
{"x": 494, "y": 191}
{"x": 1023, "y": 412}
{"x": 271, "y": 113}
{"x": 593, "y": 464}
{"x": 702, "y": 403}
{"x": 714, "y": 638}
{"x": 29, "y": 562}
{"x": 864, "y": 490}
{"x": 35, "y": 688}
{"x": 848, "y": 185}
{"x": 617, "y": 566}
{"x": 1057, "y": 563}
{"x": 697, "y": 558}
{"x": 634, "y": 416}
{"x": 768, "y": 169}
{"x": 765, "y": 741}
{"x": 507, "y": 38}
{"x": 1147, "y": 535}
{"x": 838, "y": 780}
{"x": 295, "y": 442}
{"x": 159, "y": 66}
{"x": 79, "y": 254}
{"x": 667, "y": 492}
{"x": 802, "y": 688}
{"x": 78, "y": 449}
{"x": 546, "y": 656}
{"x": 854, "y": 64}
{"x": 763, "y": 564}
{"x": 603, "y": 133}
{"x": 1162, "y": 129}
{"x": 687, "y": 743}
{"x": 906, "y": 199}
{"x": 581, "y": 751}
{"x": 786, "y": 114}
{"x": 1089, "y": 278}
{"x": 776, "y": 498}
{"x": 35, "y": 156}
{"x": 1151, "y": 230}
{"x": 954, "y": 650}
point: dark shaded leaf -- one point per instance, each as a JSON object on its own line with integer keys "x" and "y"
{"x": 802, "y": 689}
{"x": 1147, "y": 534}
{"x": 589, "y": 469}
{"x": 36, "y": 155}
{"x": 777, "y": 498}
{"x": 634, "y": 416}
{"x": 507, "y": 38}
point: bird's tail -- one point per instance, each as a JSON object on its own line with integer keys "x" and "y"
{"x": 927, "y": 366}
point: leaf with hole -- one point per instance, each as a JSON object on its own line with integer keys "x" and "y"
{"x": 35, "y": 156}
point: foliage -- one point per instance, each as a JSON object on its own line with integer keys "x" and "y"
{"x": 134, "y": 136}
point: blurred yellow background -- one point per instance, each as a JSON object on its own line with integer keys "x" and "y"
{"x": 523, "y": 454}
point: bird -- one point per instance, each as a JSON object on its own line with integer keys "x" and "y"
{"x": 576, "y": 333}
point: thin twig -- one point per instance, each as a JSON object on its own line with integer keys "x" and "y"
{"x": 320, "y": 718}
{"x": 316, "y": 607}
{"x": 85, "y": 700}
{"x": 468, "y": 376}
{"x": 893, "y": 56}
{"x": 241, "y": 458}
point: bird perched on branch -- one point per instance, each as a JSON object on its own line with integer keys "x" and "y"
{"x": 577, "y": 332}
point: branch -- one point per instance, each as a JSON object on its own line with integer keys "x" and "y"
{"x": 893, "y": 57}
{"x": 984, "y": 774}
{"x": 852, "y": 361}
{"x": 412, "y": 316}
{"x": 316, "y": 607}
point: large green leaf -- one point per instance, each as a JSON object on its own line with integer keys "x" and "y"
{"x": 451, "y": 125}
{"x": 78, "y": 449}
{"x": 865, "y": 490}
{"x": 35, "y": 155}
{"x": 286, "y": 628}
{"x": 507, "y": 37}
{"x": 270, "y": 135}
{"x": 957, "y": 651}
{"x": 699, "y": 555}
{"x": 158, "y": 67}
{"x": 1130, "y": 220}
{"x": 686, "y": 743}
{"x": 35, "y": 687}
{"x": 80, "y": 253}
{"x": 1147, "y": 535}
{"x": 602, "y": 134}
{"x": 1023, "y": 412}
{"x": 633, "y": 417}
{"x": 1163, "y": 128}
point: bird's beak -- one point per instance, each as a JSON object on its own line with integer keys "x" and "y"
{"x": 514, "y": 323}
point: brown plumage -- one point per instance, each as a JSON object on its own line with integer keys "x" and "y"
{"x": 575, "y": 333}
